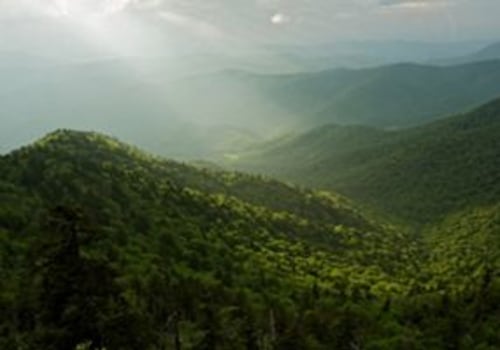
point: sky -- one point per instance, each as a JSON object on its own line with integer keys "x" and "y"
{"x": 124, "y": 26}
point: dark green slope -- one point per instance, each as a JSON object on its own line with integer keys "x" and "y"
{"x": 106, "y": 246}
{"x": 215, "y": 253}
{"x": 417, "y": 174}
{"x": 465, "y": 243}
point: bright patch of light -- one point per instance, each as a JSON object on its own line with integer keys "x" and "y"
{"x": 280, "y": 18}
{"x": 87, "y": 8}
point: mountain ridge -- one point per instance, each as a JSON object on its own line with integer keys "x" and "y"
{"x": 105, "y": 97}
{"x": 487, "y": 53}
{"x": 370, "y": 166}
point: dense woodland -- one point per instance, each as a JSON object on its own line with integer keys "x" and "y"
{"x": 106, "y": 247}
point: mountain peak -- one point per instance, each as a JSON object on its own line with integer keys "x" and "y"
{"x": 91, "y": 141}
{"x": 64, "y": 135}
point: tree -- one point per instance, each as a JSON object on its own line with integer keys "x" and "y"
{"x": 79, "y": 301}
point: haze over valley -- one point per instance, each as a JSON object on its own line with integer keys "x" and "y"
{"x": 249, "y": 175}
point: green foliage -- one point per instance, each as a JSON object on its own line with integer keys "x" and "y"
{"x": 103, "y": 246}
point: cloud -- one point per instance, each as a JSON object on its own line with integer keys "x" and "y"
{"x": 13, "y": 8}
{"x": 280, "y": 18}
{"x": 192, "y": 24}
{"x": 298, "y": 20}
{"x": 139, "y": 4}
{"x": 55, "y": 8}
{"x": 413, "y": 4}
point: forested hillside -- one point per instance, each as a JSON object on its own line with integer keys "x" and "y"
{"x": 419, "y": 175}
{"x": 104, "y": 246}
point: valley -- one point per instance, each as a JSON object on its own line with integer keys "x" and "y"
{"x": 249, "y": 175}
{"x": 419, "y": 174}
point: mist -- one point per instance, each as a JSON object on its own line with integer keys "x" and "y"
{"x": 249, "y": 174}
{"x": 171, "y": 76}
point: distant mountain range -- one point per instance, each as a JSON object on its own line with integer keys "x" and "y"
{"x": 393, "y": 96}
{"x": 396, "y": 96}
{"x": 168, "y": 111}
{"x": 490, "y": 52}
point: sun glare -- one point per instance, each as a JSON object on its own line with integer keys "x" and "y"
{"x": 89, "y": 8}
{"x": 101, "y": 23}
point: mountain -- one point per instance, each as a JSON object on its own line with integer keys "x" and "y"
{"x": 106, "y": 246}
{"x": 392, "y": 96}
{"x": 208, "y": 242}
{"x": 107, "y": 95}
{"x": 419, "y": 174}
{"x": 488, "y": 53}
{"x": 491, "y": 52}
{"x": 171, "y": 110}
